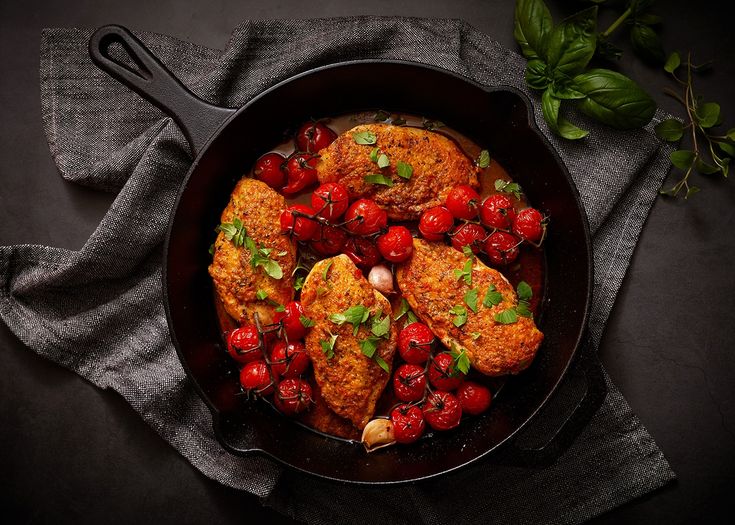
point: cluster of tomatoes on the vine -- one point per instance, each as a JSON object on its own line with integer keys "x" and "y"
{"x": 274, "y": 359}
{"x": 431, "y": 388}
{"x": 499, "y": 231}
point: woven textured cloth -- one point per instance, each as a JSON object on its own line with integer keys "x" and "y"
{"x": 99, "y": 311}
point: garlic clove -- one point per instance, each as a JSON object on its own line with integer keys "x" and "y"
{"x": 378, "y": 433}
{"x": 381, "y": 278}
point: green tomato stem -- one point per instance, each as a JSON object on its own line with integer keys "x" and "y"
{"x": 617, "y": 22}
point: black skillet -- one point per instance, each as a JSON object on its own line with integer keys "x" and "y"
{"x": 226, "y": 142}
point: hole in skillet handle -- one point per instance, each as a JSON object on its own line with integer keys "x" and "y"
{"x": 199, "y": 120}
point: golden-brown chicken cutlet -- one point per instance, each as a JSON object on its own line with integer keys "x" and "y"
{"x": 429, "y": 284}
{"x": 235, "y": 278}
{"x": 349, "y": 380}
{"x": 437, "y": 161}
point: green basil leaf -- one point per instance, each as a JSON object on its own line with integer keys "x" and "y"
{"x": 298, "y": 283}
{"x": 508, "y": 316}
{"x": 378, "y": 178}
{"x": 326, "y": 269}
{"x": 374, "y": 154}
{"x": 261, "y": 295}
{"x": 492, "y": 297}
{"x": 559, "y": 125}
{"x": 305, "y": 321}
{"x": 403, "y": 309}
{"x": 470, "y": 299}
{"x": 328, "y": 345}
{"x": 614, "y": 99}
{"x": 524, "y": 308}
{"x": 570, "y": 131}
{"x": 381, "y": 327}
{"x": 369, "y": 346}
{"x": 383, "y": 161}
{"x": 670, "y": 130}
{"x": 531, "y": 27}
{"x": 524, "y": 291}
{"x": 381, "y": 116}
{"x": 483, "y": 161}
{"x": 708, "y": 114}
{"x": 460, "y": 315}
{"x": 566, "y": 92}
{"x": 364, "y": 137}
{"x": 382, "y": 364}
{"x": 537, "y": 76}
{"x": 673, "y": 62}
{"x": 682, "y": 158}
{"x": 647, "y": 44}
{"x": 572, "y": 43}
{"x": 404, "y": 170}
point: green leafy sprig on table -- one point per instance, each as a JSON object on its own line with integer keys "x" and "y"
{"x": 646, "y": 43}
{"x": 711, "y": 151}
{"x": 557, "y": 66}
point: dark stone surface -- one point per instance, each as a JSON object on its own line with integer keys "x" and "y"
{"x": 70, "y": 452}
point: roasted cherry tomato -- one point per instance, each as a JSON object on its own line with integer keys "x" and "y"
{"x": 330, "y": 200}
{"x": 501, "y": 248}
{"x": 291, "y": 319}
{"x": 414, "y": 343}
{"x": 409, "y": 382}
{"x": 301, "y": 172}
{"x": 271, "y": 169}
{"x": 463, "y": 202}
{"x": 364, "y": 217}
{"x": 329, "y": 240}
{"x": 473, "y": 397}
{"x": 408, "y": 423}
{"x": 254, "y": 377}
{"x": 313, "y": 136}
{"x": 363, "y": 252}
{"x": 293, "y": 396}
{"x": 295, "y": 221}
{"x": 243, "y": 344}
{"x": 396, "y": 245}
{"x": 442, "y": 411}
{"x": 497, "y": 212}
{"x": 468, "y": 234}
{"x": 289, "y": 359}
{"x": 435, "y": 222}
{"x": 442, "y": 374}
{"x": 529, "y": 224}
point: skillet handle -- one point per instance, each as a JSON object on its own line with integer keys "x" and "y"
{"x": 153, "y": 81}
{"x": 588, "y": 363}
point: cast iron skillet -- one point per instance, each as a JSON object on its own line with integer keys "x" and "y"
{"x": 226, "y": 142}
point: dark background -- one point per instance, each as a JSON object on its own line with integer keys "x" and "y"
{"x": 72, "y": 452}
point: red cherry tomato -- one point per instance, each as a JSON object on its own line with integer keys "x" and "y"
{"x": 473, "y": 397}
{"x": 329, "y": 240}
{"x": 396, "y": 245}
{"x": 414, "y": 343}
{"x": 289, "y": 359}
{"x": 468, "y": 234}
{"x": 291, "y": 319}
{"x": 442, "y": 374}
{"x": 529, "y": 224}
{"x": 301, "y": 172}
{"x": 365, "y": 217}
{"x": 313, "y": 136}
{"x": 254, "y": 377}
{"x": 442, "y": 411}
{"x": 497, "y": 212}
{"x": 293, "y": 396}
{"x": 270, "y": 168}
{"x": 409, "y": 382}
{"x": 363, "y": 252}
{"x": 501, "y": 248}
{"x": 408, "y": 423}
{"x": 435, "y": 222}
{"x": 243, "y": 344}
{"x": 331, "y": 200}
{"x": 296, "y": 225}
{"x": 463, "y": 202}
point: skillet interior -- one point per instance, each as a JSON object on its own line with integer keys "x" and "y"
{"x": 496, "y": 119}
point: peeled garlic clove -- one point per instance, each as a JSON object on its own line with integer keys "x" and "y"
{"x": 381, "y": 278}
{"x": 378, "y": 433}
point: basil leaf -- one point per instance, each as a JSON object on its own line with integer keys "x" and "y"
{"x": 524, "y": 308}
{"x": 328, "y": 345}
{"x": 461, "y": 360}
{"x": 378, "y": 178}
{"x": 559, "y": 125}
{"x": 374, "y": 154}
{"x": 475, "y": 335}
{"x": 305, "y": 321}
{"x": 470, "y": 299}
{"x": 326, "y": 269}
{"x": 572, "y": 43}
{"x": 261, "y": 294}
{"x": 369, "y": 346}
{"x": 524, "y": 291}
{"x": 508, "y": 316}
{"x": 682, "y": 158}
{"x": 492, "y": 297}
{"x": 670, "y": 130}
{"x": 364, "y": 137}
{"x": 646, "y": 44}
{"x": 503, "y": 186}
{"x": 614, "y": 99}
{"x": 673, "y": 62}
{"x": 383, "y": 161}
{"x": 411, "y": 318}
{"x": 537, "y": 76}
{"x": 730, "y": 134}
{"x": 403, "y": 309}
{"x": 607, "y": 50}
{"x": 708, "y": 114}
{"x": 381, "y": 116}
{"x": 272, "y": 268}
{"x": 382, "y": 364}
{"x": 211, "y": 249}
{"x": 381, "y": 327}
{"x": 460, "y": 315}
{"x": 298, "y": 283}
{"x": 483, "y": 161}
{"x": 691, "y": 191}
{"x": 531, "y": 27}
{"x": 566, "y": 92}
{"x": 404, "y": 170}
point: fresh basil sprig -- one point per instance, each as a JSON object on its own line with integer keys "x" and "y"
{"x": 558, "y": 58}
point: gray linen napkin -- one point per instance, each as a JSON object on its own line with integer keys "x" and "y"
{"x": 98, "y": 311}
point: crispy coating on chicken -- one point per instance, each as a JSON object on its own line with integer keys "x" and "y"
{"x": 235, "y": 280}
{"x": 429, "y": 284}
{"x": 350, "y": 382}
{"x": 323, "y": 418}
{"x": 438, "y": 165}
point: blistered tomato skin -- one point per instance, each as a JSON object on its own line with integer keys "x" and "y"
{"x": 529, "y": 225}
{"x": 363, "y": 252}
{"x": 329, "y": 240}
{"x": 301, "y": 173}
{"x": 330, "y": 200}
{"x": 243, "y": 344}
{"x": 463, "y": 202}
{"x": 469, "y": 234}
{"x": 293, "y": 396}
{"x": 289, "y": 360}
{"x": 408, "y": 423}
{"x": 442, "y": 374}
{"x": 294, "y": 222}
{"x": 497, "y": 212}
{"x": 409, "y": 382}
{"x": 414, "y": 343}
{"x": 474, "y": 398}
{"x": 271, "y": 169}
{"x": 501, "y": 248}
{"x": 291, "y": 319}
{"x": 442, "y": 411}
{"x": 314, "y": 136}
{"x": 396, "y": 245}
{"x": 364, "y": 217}
{"x": 254, "y": 377}
{"x": 435, "y": 223}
